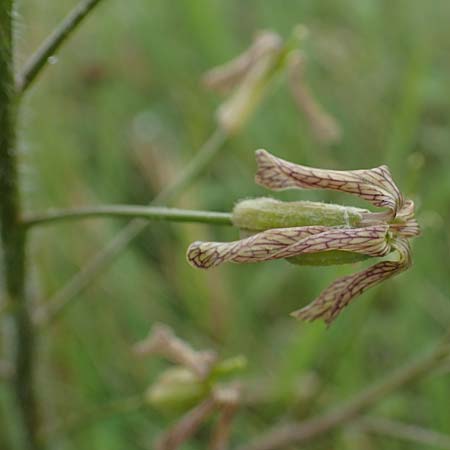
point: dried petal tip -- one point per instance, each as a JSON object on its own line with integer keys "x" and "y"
{"x": 373, "y": 185}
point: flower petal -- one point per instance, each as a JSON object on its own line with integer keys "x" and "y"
{"x": 281, "y": 243}
{"x": 259, "y": 247}
{"x": 368, "y": 241}
{"x": 405, "y": 223}
{"x": 227, "y": 76}
{"x": 340, "y": 293}
{"x": 374, "y": 185}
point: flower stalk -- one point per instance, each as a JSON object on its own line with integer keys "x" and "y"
{"x": 128, "y": 211}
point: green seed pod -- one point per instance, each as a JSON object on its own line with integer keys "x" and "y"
{"x": 264, "y": 213}
{"x": 259, "y": 214}
{"x": 176, "y": 390}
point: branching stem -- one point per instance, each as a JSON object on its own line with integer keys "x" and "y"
{"x": 51, "y": 45}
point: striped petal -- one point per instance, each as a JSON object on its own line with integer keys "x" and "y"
{"x": 340, "y": 293}
{"x": 259, "y": 247}
{"x": 281, "y": 243}
{"x": 405, "y": 223}
{"x": 374, "y": 185}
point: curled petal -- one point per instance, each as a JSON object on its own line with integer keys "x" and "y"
{"x": 374, "y": 185}
{"x": 259, "y": 247}
{"x": 368, "y": 241}
{"x": 281, "y": 243}
{"x": 408, "y": 229}
{"x": 407, "y": 211}
{"x": 405, "y": 223}
{"x": 340, "y": 293}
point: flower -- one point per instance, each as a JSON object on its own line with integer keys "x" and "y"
{"x": 347, "y": 234}
{"x": 248, "y": 77}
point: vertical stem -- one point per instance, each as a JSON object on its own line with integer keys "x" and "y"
{"x": 13, "y": 237}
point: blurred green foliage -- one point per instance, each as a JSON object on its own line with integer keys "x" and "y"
{"x": 123, "y": 110}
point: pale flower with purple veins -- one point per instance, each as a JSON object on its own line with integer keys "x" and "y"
{"x": 320, "y": 234}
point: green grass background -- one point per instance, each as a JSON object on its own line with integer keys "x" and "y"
{"x": 121, "y": 113}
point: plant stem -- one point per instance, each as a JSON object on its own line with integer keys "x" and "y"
{"x": 49, "y": 47}
{"x": 62, "y": 298}
{"x": 181, "y": 431}
{"x": 13, "y": 236}
{"x": 281, "y": 436}
{"x": 405, "y": 432}
{"x": 130, "y": 211}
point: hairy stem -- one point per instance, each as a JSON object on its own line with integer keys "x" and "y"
{"x": 130, "y": 211}
{"x": 62, "y": 298}
{"x": 281, "y": 436}
{"x": 49, "y": 47}
{"x": 13, "y": 236}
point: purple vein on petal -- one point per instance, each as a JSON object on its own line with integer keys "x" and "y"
{"x": 341, "y": 292}
{"x": 281, "y": 243}
{"x": 373, "y": 185}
